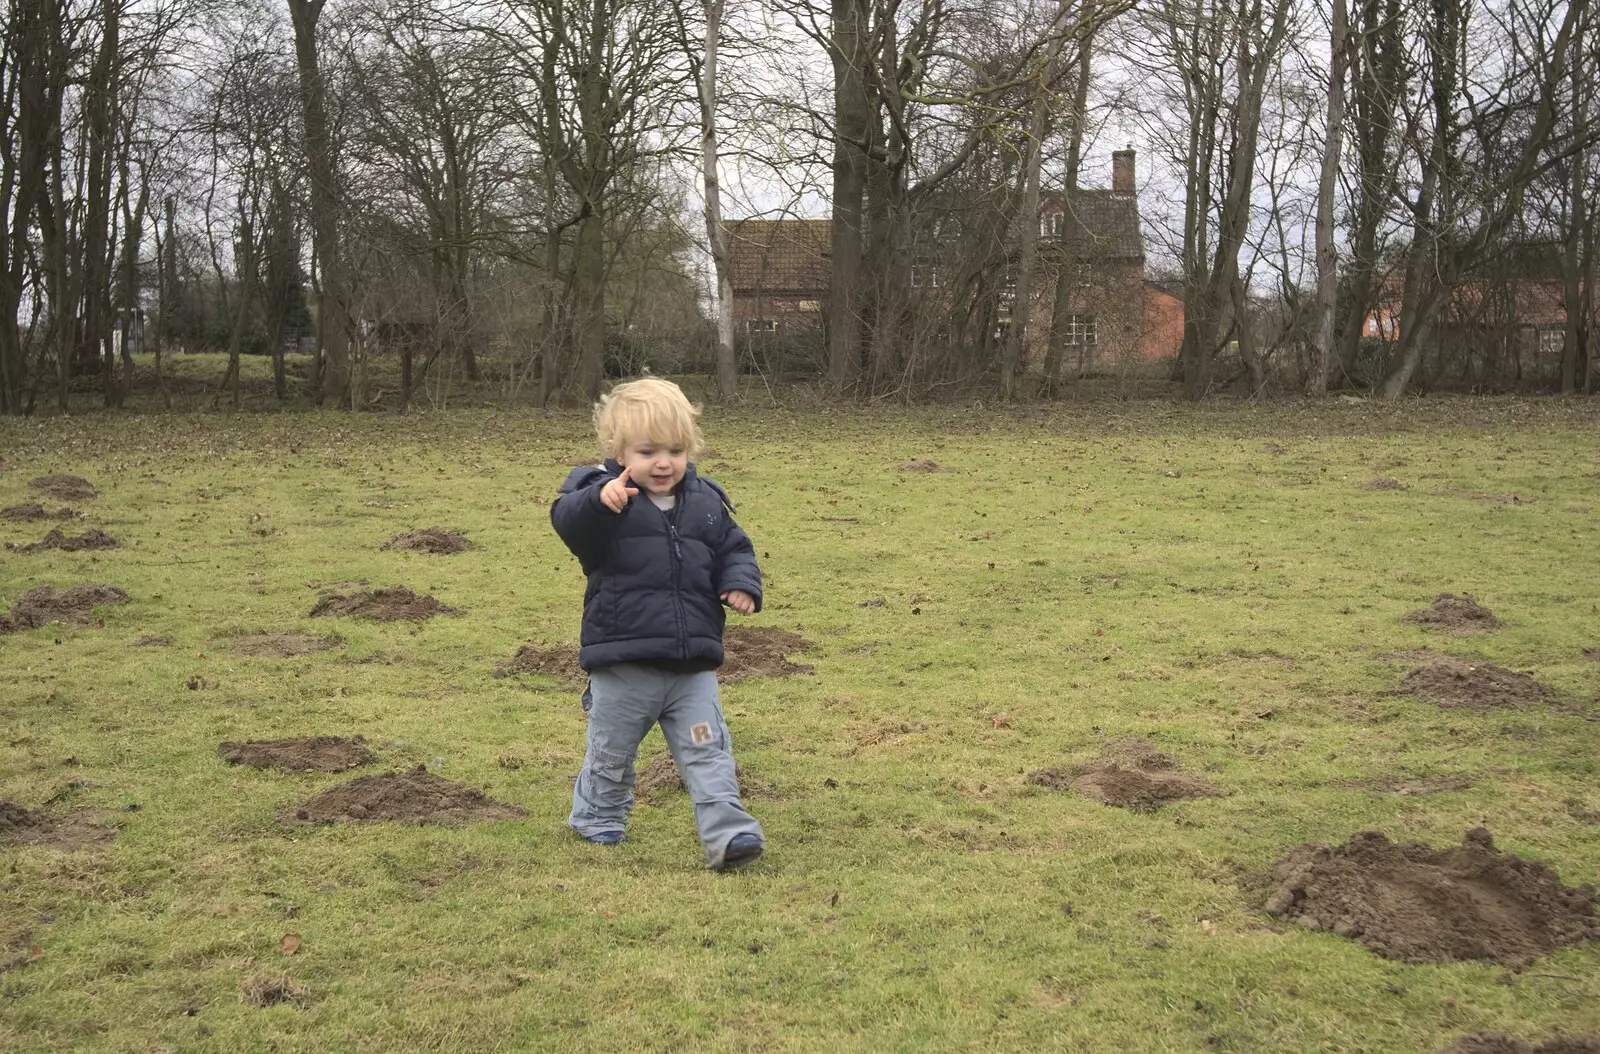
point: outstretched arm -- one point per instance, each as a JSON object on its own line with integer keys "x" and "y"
{"x": 586, "y": 512}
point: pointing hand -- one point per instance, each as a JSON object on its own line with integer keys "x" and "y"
{"x": 615, "y": 494}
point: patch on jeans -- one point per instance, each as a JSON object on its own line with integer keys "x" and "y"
{"x": 700, "y": 734}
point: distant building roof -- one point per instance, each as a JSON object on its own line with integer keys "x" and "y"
{"x": 780, "y": 257}
{"x": 1104, "y": 224}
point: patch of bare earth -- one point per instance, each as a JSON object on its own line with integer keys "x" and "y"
{"x": 1422, "y": 905}
{"x": 263, "y": 644}
{"x": 388, "y": 604}
{"x": 266, "y": 989}
{"x": 415, "y": 797}
{"x": 659, "y": 779}
{"x": 43, "y": 605}
{"x": 429, "y": 540}
{"x": 760, "y": 651}
{"x": 1461, "y": 614}
{"x": 1423, "y": 785}
{"x": 32, "y": 511}
{"x": 64, "y": 488}
{"x": 93, "y": 538}
{"x": 1458, "y": 684}
{"x": 1500, "y": 1043}
{"x": 152, "y": 640}
{"x": 302, "y": 754}
{"x": 1130, "y": 773}
{"x": 924, "y": 465}
{"x": 558, "y": 662}
{"x": 19, "y": 826}
{"x": 1385, "y": 483}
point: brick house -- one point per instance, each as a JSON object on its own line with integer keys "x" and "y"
{"x": 1117, "y": 316}
{"x": 1505, "y": 327}
{"x": 780, "y": 274}
{"x": 781, "y": 277}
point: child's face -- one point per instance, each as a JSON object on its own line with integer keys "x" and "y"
{"x": 657, "y": 467}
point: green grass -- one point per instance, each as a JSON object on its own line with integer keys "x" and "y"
{"x": 1108, "y": 570}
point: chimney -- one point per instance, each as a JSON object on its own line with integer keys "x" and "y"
{"x": 1122, "y": 181}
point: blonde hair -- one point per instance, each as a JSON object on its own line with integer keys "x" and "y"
{"x": 649, "y": 408}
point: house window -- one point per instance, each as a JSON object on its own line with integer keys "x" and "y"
{"x": 762, "y": 325}
{"x": 1082, "y": 330}
{"x": 810, "y": 305}
{"x": 1050, "y": 227}
{"x": 924, "y": 276}
{"x": 1552, "y": 341}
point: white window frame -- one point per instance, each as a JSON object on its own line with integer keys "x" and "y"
{"x": 1083, "y": 330}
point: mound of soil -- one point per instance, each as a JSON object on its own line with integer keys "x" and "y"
{"x": 1421, "y": 905}
{"x": 19, "y": 826}
{"x": 415, "y": 797}
{"x": 1385, "y": 483}
{"x": 1461, "y": 614}
{"x": 924, "y": 465}
{"x": 281, "y": 645}
{"x": 660, "y": 778}
{"x": 1472, "y": 686}
{"x": 429, "y": 540}
{"x": 30, "y": 511}
{"x": 65, "y": 488}
{"x": 1499, "y": 1043}
{"x": 390, "y": 604}
{"x": 314, "y": 753}
{"x": 151, "y": 640}
{"x": 43, "y": 605}
{"x": 657, "y": 779}
{"x": 559, "y": 662}
{"x": 1130, "y": 773}
{"x": 16, "y": 821}
{"x": 760, "y": 651}
{"x": 93, "y": 538}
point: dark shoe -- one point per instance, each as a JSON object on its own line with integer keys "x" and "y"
{"x": 604, "y": 838}
{"x": 742, "y": 849}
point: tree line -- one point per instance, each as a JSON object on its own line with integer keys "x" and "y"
{"x": 532, "y": 193}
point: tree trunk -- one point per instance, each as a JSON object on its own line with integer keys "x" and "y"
{"x": 247, "y": 285}
{"x": 334, "y": 325}
{"x": 1577, "y": 237}
{"x": 99, "y": 106}
{"x": 1011, "y": 361}
{"x": 716, "y": 233}
{"x": 589, "y": 296}
{"x": 1323, "y": 349}
{"x": 1068, "y": 248}
{"x": 1201, "y": 335}
{"x": 852, "y": 121}
{"x": 1244, "y": 334}
{"x": 166, "y": 291}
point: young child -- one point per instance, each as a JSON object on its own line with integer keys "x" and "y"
{"x": 663, "y": 555}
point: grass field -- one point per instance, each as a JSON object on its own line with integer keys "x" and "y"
{"x": 1223, "y": 581}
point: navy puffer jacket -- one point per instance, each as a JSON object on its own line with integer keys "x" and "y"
{"x": 656, "y": 578}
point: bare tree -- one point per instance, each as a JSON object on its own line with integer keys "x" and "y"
{"x": 1513, "y": 139}
{"x": 335, "y": 324}
{"x": 1323, "y": 349}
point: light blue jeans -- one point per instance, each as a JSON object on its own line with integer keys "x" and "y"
{"x": 625, "y": 702}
